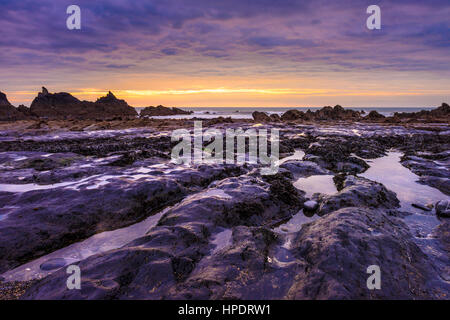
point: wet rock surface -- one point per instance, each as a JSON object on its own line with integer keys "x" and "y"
{"x": 359, "y": 192}
{"x": 41, "y": 221}
{"x": 170, "y": 252}
{"x": 220, "y": 238}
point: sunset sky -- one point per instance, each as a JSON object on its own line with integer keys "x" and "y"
{"x": 266, "y": 53}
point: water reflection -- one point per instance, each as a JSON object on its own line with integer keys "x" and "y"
{"x": 389, "y": 171}
{"x": 316, "y": 184}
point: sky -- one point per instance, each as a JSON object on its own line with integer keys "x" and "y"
{"x": 229, "y": 53}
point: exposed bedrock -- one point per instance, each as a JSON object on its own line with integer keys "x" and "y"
{"x": 99, "y": 147}
{"x": 42, "y": 221}
{"x": 326, "y": 259}
{"x": 300, "y": 168}
{"x": 335, "y": 156}
{"x": 439, "y": 114}
{"x": 151, "y": 266}
{"x": 433, "y": 168}
{"x": 358, "y": 192}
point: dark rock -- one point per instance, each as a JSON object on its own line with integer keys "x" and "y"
{"x": 275, "y": 117}
{"x": 443, "y": 208}
{"x": 64, "y": 106}
{"x": 352, "y": 239}
{"x": 292, "y": 115}
{"x": 8, "y": 112}
{"x": 162, "y": 111}
{"x": 153, "y": 266}
{"x": 310, "y": 205}
{"x": 421, "y": 207}
{"x": 374, "y": 115}
{"x": 335, "y": 155}
{"x": 46, "y": 220}
{"x": 261, "y": 116}
{"x": 303, "y": 168}
{"x": 359, "y": 192}
{"x": 326, "y": 113}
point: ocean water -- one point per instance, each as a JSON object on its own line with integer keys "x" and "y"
{"x": 246, "y": 112}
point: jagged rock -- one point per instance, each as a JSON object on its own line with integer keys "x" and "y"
{"x": 44, "y": 91}
{"x": 4, "y": 100}
{"x": 162, "y": 111}
{"x": 440, "y": 114}
{"x": 326, "y": 113}
{"x": 8, "y": 112}
{"x": 25, "y": 110}
{"x": 65, "y": 106}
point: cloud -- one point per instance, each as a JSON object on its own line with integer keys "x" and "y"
{"x": 224, "y": 38}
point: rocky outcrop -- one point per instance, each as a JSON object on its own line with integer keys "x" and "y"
{"x": 264, "y": 117}
{"x": 359, "y": 192}
{"x": 440, "y": 114}
{"x": 336, "y": 113}
{"x": 261, "y": 116}
{"x": 4, "y": 100}
{"x": 53, "y": 218}
{"x": 326, "y": 259}
{"x": 8, "y": 112}
{"x": 65, "y": 106}
{"x": 335, "y": 154}
{"x": 324, "y": 114}
{"x": 292, "y": 115}
{"x": 172, "y": 250}
{"x": 374, "y": 116}
{"x": 162, "y": 111}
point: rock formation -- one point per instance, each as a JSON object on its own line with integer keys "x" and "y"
{"x": 440, "y": 114}
{"x": 374, "y": 115}
{"x": 326, "y": 113}
{"x": 7, "y": 111}
{"x": 162, "y": 111}
{"x": 65, "y": 106}
{"x": 264, "y": 117}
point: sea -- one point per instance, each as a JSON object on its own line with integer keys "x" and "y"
{"x": 246, "y": 112}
